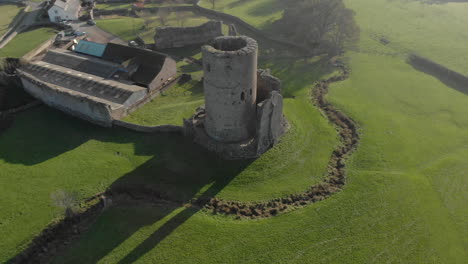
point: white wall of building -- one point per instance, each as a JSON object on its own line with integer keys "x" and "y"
{"x": 57, "y": 14}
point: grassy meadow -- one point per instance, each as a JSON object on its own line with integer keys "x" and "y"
{"x": 8, "y": 14}
{"x": 25, "y": 42}
{"x": 405, "y": 197}
{"x": 170, "y": 164}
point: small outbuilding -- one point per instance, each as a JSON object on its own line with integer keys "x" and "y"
{"x": 59, "y": 10}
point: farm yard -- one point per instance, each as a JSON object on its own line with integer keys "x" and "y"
{"x": 405, "y": 195}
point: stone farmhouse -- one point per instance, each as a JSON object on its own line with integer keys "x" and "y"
{"x": 96, "y": 82}
{"x": 59, "y": 10}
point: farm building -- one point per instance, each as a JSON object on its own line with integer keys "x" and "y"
{"x": 59, "y": 10}
{"x": 96, "y": 82}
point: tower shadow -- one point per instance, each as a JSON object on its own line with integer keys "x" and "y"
{"x": 173, "y": 177}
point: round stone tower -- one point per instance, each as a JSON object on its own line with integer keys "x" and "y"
{"x": 230, "y": 86}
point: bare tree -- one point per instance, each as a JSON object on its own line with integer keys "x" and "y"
{"x": 325, "y": 24}
{"x": 181, "y": 17}
{"x": 213, "y": 4}
{"x": 163, "y": 14}
{"x": 65, "y": 200}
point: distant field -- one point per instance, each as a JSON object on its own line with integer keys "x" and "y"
{"x": 8, "y": 13}
{"x": 25, "y": 42}
{"x": 259, "y": 12}
{"x": 436, "y": 31}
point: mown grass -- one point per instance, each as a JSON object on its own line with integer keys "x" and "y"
{"x": 171, "y": 107}
{"x": 403, "y": 201}
{"x": 53, "y": 154}
{"x": 8, "y": 13}
{"x": 25, "y": 42}
{"x": 435, "y": 31}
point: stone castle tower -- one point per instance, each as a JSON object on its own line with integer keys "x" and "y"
{"x": 243, "y": 113}
{"x": 230, "y": 86}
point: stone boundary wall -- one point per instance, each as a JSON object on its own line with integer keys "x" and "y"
{"x": 226, "y": 18}
{"x": 449, "y": 77}
{"x": 148, "y": 129}
{"x": 117, "y": 11}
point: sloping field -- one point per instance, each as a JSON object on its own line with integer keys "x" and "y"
{"x": 46, "y": 150}
{"x": 404, "y": 201}
{"x": 25, "y": 42}
{"x": 436, "y": 31}
{"x": 8, "y": 13}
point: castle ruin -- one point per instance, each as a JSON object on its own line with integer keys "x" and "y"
{"x": 177, "y": 37}
{"x": 243, "y": 113}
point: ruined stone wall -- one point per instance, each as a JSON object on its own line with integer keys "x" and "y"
{"x": 176, "y": 37}
{"x": 79, "y": 106}
{"x": 230, "y": 82}
{"x": 270, "y": 122}
{"x": 266, "y": 83}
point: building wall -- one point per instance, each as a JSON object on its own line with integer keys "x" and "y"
{"x": 78, "y": 106}
{"x": 230, "y": 86}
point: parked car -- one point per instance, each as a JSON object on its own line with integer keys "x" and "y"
{"x": 91, "y": 22}
{"x": 68, "y": 33}
{"x": 79, "y": 33}
{"x": 65, "y": 22}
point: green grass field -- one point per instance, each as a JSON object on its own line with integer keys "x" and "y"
{"x": 260, "y": 13}
{"x": 8, "y": 13}
{"x": 25, "y": 42}
{"x": 405, "y": 197}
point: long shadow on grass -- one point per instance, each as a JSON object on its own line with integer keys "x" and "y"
{"x": 43, "y": 133}
{"x": 450, "y": 78}
{"x": 177, "y": 173}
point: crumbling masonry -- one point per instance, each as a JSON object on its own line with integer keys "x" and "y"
{"x": 177, "y": 37}
{"x": 243, "y": 113}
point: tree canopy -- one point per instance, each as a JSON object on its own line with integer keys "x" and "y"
{"x": 324, "y": 24}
